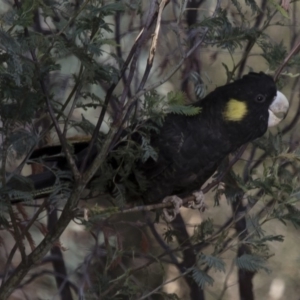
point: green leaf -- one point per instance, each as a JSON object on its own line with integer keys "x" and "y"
{"x": 252, "y": 263}
{"x": 280, "y": 9}
{"x": 186, "y": 110}
{"x": 253, "y": 225}
{"x": 111, "y": 8}
{"x": 148, "y": 150}
{"x": 174, "y": 98}
{"x": 213, "y": 262}
{"x": 201, "y": 278}
{"x": 206, "y": 228}
{"x": 272, "y": 238}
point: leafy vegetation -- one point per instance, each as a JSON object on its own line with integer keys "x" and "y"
{"x": 97, "y": 70}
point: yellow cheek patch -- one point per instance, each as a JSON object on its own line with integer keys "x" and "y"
{"x": 235, "y": 110}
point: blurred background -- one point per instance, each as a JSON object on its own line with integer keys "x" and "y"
{"x": 201, "y": 45}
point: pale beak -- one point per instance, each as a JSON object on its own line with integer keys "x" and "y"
{"x": 278, "y": 109}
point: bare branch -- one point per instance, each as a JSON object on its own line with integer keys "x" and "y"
{"x": 293, "y": 52}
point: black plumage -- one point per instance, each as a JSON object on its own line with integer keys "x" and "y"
{"x": 190, "y": 148}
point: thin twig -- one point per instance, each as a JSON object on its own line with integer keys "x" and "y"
{"x": 153, "y": 46}
{"x": 17, "y": 233}
{"x": 225, "y": 285}
{"x": 238, "y": 155}
{"x": 14, "y": 249}
{"x": 78, "y": 89}
{"x": 61, "y": 137}
{"x": 16, "y": 230}
{"x": 251, "y": 43}
{"x": 175, "y": 68}
{"x": 134, "y": 52}
{"x": 164, "y": 283}
{"x": 293, "y": 52}
{"x": 48, "y": 272}
{"x": 63, "y": 141}
{"x": 71, "y": 20}
{"x": 118, "y": 46}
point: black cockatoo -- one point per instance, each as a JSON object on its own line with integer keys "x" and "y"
{"x": 190, "y": 148}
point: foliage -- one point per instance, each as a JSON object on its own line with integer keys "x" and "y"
{"x": 64, "y": 59}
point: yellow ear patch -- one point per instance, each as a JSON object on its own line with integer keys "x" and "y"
{"x": 235, "y": 110}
